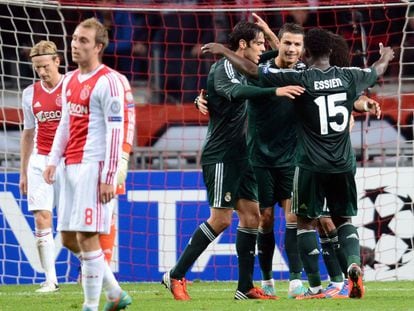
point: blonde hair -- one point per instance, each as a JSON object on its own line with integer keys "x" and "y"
{"x": 44, "y": 48}
{"x": 101, "y": 36}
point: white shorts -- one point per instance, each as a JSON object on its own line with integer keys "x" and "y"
{"x": 40, "y": 195}
{"x": 80, "y": 208}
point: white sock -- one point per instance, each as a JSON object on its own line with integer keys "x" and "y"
{"x": 315, "y": 289}
{"x": 294, "y": 283}
{"x": 270, "y": 282}
{"x": 93, "y": 265}
{"x": 110, "y": 284}
{"x": 338, "y": 285}
{"x": 46, "y": 248}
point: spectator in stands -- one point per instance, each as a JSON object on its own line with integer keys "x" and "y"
{"x": 120, "y": 26}
{"x": 183, "y": 70}
{"x": 408, "y": 54}
{"x": 304, "y": 18}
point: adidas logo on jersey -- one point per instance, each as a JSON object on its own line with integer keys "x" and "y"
{"x": 315, "y": 251}
{"x": 353, "y": 236}
{"x": 37, "y": 105}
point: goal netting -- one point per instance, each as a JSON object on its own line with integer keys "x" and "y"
{"x": 156, "y": 44}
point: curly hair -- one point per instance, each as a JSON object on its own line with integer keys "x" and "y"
{"x": 243, "y": 30}
{"x": 318, "y": 42}
{"x": 339, "y": 51}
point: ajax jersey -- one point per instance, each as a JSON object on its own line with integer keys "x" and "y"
{"x": 42, "y": 111}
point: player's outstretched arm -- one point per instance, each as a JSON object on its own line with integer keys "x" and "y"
{"x": 241, "y": 64}
{"x": 364, "y": 103}
{"x": 270, "y": 36}
{"x": 290, "y": 91}
{"x": 387, "y": 55}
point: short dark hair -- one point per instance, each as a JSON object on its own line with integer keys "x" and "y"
{"x": 318, "y": 42}
{"x": 243, "y": 30}
{"x": 339, "y": 51}
{"x": 291, "y": 28}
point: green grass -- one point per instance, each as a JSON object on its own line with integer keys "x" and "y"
{"x": 381, "y": 296}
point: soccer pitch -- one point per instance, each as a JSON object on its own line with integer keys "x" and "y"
{"x": 396, "y": 295}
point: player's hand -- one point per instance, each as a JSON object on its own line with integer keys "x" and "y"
{"x": 213, "y": 48}
{"x": 23, "y": 184}
{"x": 49, "y": 174}
{"x": 386, "y": 51}
{"x": 269, "y": 34}
{"x": 261, "y": 23}
{"x": 290, "y": 91}
{"x": 370, "y": 105}
{"x": 123, "y": 168}
{"x": 200, "y": 102}
{"x": 107, "y": 193}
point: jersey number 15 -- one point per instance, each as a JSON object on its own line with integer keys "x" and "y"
{"x": 328, "y": 109}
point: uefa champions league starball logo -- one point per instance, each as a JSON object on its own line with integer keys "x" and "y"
{"x": 391, "y": 228}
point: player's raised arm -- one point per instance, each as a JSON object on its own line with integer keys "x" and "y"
{"x": 270, "y": 36}
{"x": 387, "y": 55}
{"x": 241, "y": 64}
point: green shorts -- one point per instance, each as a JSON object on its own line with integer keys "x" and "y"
{"x": 274, "y": 184}
{"x": 311, "y": 190}
{"x": 228, "y": 182}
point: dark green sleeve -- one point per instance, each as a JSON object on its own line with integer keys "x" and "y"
{"x": 251, "y": 92}
{"x": 268, "y": 55}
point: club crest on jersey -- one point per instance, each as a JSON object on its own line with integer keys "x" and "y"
{"x": 115, "y": 106}
{"x": 58, "y": 100}
{"x": 227, "y": 197}
{"x": 84, "y": 94}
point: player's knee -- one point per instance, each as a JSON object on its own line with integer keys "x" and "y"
{"x": 266, "y": 220}
{"x": 291, "y": 218}
{"x": 327, "y": 224}
{"x": 219, "y": 225}
{"x": 43, "y": 219}
{"x": 69, "y": 241}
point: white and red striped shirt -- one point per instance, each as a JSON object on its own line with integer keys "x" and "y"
{"x": 42, "y": 112}
{"x": 92, "y": 122}
{"x": 129, "y": 115}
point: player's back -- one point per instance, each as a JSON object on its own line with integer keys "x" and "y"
{"x": 323, "y": 112}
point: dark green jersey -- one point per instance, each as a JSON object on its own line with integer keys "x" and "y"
{"x": 227, "y": 93}
{"x": 323, "y": 113}
{"x": 272, "y": 128}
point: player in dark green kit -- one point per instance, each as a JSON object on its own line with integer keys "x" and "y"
{"x": 324, "y": 156}
{"x": 227, "y": 173}
{"x": 272, "y": 143}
